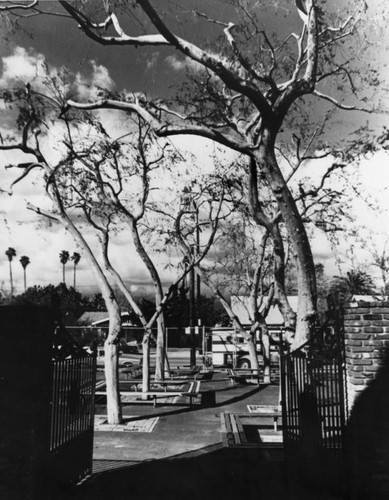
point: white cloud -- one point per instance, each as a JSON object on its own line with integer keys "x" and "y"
{"x": 88, "y": 85}
{"x": 152, "y": 61}
{"x": 22, "y": 66}
{"x": 27, "y": 66}
{"x": 178, "y": 64}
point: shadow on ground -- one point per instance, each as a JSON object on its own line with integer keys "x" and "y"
{"x": 211, "y": 473}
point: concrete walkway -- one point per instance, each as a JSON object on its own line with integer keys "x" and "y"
{"x": 180, "y": 429}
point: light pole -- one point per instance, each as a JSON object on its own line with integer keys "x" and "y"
{"x": 194, "y": 280}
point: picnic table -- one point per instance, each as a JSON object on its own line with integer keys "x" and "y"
{"x": 244, "y": 375}
{"x": 162, "y": 390}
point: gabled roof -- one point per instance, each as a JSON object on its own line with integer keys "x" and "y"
{"x": 366, "y": 298}
{"x": 239, "y": 304}
{"x": 96, "y": 318}
{"x": 90, "y": 317}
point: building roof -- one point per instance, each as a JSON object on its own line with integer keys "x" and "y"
{"x": 366, "y": 298}
{"x": 96, "y": 318}
{"x": 239, "y": 304}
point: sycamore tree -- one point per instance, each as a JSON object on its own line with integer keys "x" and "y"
{"x": 243, "y": 260}
{"x": 29, "y": 144}
{"x": 247, "y": 86}
{"x": 117, "y": 185}
{"x": 252, "y": 79}
{"x": 102, "y": 183}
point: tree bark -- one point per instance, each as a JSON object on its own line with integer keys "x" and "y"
{"x": 111, "y": 370}
{"x": 11, "y": 278}
{"x": 111, "y": 366}
{"x": 146, "y": 362}
{"x": 306, "y": 311}
{"x": 248, "y": 336}
{"x": 160, "y": 351}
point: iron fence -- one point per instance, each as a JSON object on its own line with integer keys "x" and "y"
{"x": 314, "y": 406}
{"x": 72, "y": 415}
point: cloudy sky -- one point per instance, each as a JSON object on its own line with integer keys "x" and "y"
{"x": 55, "y": 42}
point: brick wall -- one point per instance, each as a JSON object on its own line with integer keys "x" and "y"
{"x": 367, "y": 364}
{"x": 366, "y": 326}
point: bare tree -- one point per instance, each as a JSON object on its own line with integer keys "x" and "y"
{"x": 30, "y": 119}
{"x": 247, "y": 89}
{"x": 245, "y": 97}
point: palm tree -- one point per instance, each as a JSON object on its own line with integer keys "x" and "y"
{"x": 24, "y": 260}
{"x": 64, "y": 257}
{"x": 355, "y": 282}
{"x": 76, "y": 257}
{"x": 11, "y": 253}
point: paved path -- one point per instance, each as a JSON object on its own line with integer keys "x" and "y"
{"x": 181, "y": 429}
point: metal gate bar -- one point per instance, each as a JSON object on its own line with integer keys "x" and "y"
{"x": 314, "y": 405}
{"x": 72, "y": 417}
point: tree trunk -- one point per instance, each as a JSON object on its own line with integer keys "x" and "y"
{"x": 287, "y": 312}
{"x": 146, "y": 362}
{"x": 111, "y": 352}
{"x": 306, "y": 312}
{"x": 271, "y": 226}
{"x": 248, "y": 336}
{"x": 265, "y": 347}
{"x": 251, "y": 346}
{"x": 25, "y": 279}
{"x": 11, "y": 278}
{"x": 259, "y": 321}
{"x": 111, "y": 378}
{"x": 160, "y": 350}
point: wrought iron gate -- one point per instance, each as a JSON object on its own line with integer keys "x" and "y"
{"x": 72, "y": 411}
{"x": 314, "y": 405}
{"x": 46, "y": 393}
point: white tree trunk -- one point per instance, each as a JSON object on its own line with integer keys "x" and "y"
{"x": 295, "y": 227}
{"x": 265, "y": 347}
{"x": 146, "y": 362}
{"x": 111, "y": 379}
{"x": 111, "y": 353}
{"x": 160, "y": 351}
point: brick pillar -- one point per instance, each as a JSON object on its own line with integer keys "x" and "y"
{"x": 367, "y": 364}
{"x": 366, "y": 326}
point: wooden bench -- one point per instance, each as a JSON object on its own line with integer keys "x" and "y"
{"x": 132, "y": 372}
{"x": 184, "y": 372}
{"x": 232, "y": 431}
{"x": 240, "y": 376}
{"x": 192, "y": 392}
